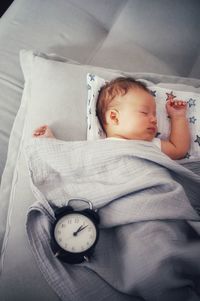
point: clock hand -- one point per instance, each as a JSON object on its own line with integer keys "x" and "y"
{"x": 75, "y": 233}
{"x": 82, "y": 228}
{"x": 79, "y": 230}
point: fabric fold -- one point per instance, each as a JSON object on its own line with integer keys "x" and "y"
{"x": 150, "y": 231}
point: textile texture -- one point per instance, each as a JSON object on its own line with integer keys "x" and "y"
{"x": 149, "y": 245}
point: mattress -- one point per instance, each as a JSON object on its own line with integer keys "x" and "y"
{"x": 106, "y": 38}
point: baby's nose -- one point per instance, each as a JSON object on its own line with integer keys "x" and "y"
{"x": 153, "y": 119}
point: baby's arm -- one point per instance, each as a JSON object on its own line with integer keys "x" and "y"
{"x": 178, "y": 144}
{"x": 43, "y": 132}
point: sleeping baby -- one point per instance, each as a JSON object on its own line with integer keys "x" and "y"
{"x": 126, "y": 109}
{"x": 148, "y": 204}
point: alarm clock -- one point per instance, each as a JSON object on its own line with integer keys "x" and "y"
{"x": 75, "y": 233}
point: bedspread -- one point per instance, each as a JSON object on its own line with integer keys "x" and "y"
{"x": 149, "y": 245}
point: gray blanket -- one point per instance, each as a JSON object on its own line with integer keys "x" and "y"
{"x": 149, "y": 246}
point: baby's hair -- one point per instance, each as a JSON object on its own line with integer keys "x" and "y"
{"x": 118, "y": 86}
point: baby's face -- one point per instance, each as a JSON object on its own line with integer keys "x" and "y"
{"x": 137, "y": 115}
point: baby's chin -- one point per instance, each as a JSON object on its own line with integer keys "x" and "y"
{"x": 149, "y": 139}
{"x": 132, "y": 136}
{"x": 145, "y": 138}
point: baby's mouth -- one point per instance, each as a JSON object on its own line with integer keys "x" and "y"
{"x": 152, "y": 129}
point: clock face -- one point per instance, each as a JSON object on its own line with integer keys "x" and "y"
{"x": 75, "y": 233}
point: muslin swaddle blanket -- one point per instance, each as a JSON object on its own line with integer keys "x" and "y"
{"x": 149, "y": 246}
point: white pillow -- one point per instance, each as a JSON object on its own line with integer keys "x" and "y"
{"x": 94, "y": 129}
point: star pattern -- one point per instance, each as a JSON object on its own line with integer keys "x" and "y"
{"x": 153, "y": 92}
{"x": 192, "y": 102}
{"x": 187, "y": 156}
{"x": 192, "y": 119}
{"x": 100, "y": 132}
{"x": 198, "y": 139}
{"x": 157, "y": 134}
{"x": 92, "y": 77}
{"x": 89, "y": 87}
{"x": 170, "y": 96}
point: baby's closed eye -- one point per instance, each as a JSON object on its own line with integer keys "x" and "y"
{"x": 143, "y": 112}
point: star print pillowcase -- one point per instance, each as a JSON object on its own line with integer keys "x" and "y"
{"x": 162, "y": 94}
{"x": 94, "y": 129}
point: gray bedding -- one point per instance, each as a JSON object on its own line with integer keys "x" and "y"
{"x": 149, "y": 247}
{"x": 121, "y": 34}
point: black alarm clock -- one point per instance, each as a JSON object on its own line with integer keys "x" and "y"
{"x": 75, "y": 233}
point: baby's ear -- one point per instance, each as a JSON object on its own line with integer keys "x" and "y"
{"x": 112, "y": 117}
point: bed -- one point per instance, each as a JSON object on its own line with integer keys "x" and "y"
{"x": 50, "y": 52}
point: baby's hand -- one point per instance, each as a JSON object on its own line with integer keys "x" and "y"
{"x": 43, "y": 132}
{"x": 176, "y": 108}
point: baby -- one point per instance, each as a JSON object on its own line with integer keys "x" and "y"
{"x": 126, "y": 109}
